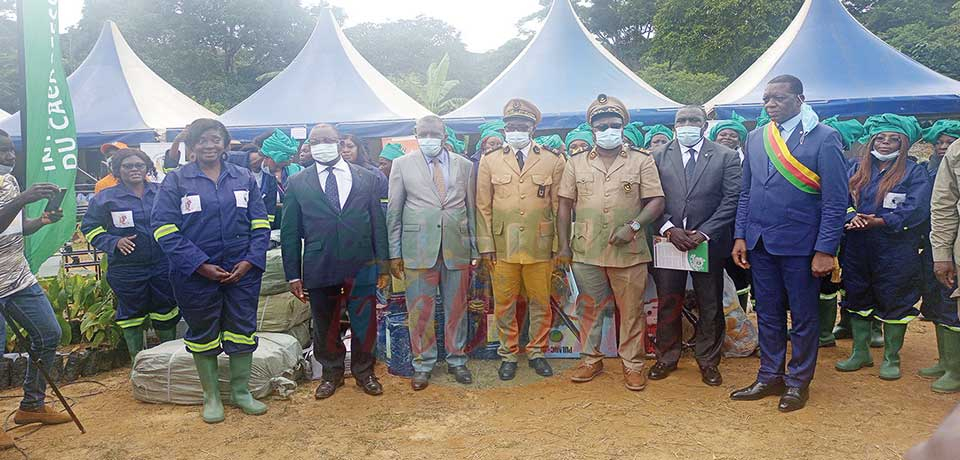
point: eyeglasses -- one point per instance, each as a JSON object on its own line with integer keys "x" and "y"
{"x": 778, "y": 98}
{"x": 133, "y": 166}
{"x": 606, "y": 126}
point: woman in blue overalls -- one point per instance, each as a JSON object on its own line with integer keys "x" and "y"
{"x": 118, "y": 223}
{"x": 215, "y": 232}
{"x": 880, "y": 260}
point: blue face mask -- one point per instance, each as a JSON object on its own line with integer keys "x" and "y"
{"x": 430, "y": 147}
{"x": 688, "y": 136}
{"x": 808, "y": 118}
{"x": 6, "y": 169}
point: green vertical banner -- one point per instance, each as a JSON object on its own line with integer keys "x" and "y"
{"x": 48, "y": 127}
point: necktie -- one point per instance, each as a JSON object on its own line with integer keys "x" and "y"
{"x": 520, "y": 159}
{"x": 331, "y": 189}
{"x": 691, "y": 165}
{"x": 438, "y": 180}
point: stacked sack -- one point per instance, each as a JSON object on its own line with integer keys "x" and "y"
{"x": 277, "y": 309}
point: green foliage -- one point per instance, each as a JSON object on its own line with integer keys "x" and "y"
{"x": 625, "y": 27}
{"x": 85, "y": 299}
{"x": 683, "y": 86}
{"x": 433, "y": 93}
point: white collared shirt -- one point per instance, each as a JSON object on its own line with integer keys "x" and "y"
{"x": 685, "y": 151}
{"x": 344, "y": 179}
{"x": 524, "y": 152}
{"x": 788, "y": 127}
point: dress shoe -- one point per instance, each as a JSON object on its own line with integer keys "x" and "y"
{"x": 586, "y": 372}
{"x": 634, "y": 380}
{"x": 6, "y": 441}
{"x": 461, "y": 373}
{"x": 794, "y": 399}
{"x": 542, "y": 367}
{"x": 420, "y": 380}
{"x": 758, "y": 390}
{"x": 327, "y": 388}
{"x": 370, "y": 385}
{"x": 711, "y": 376}
{"x": 661, "y": 370}
{"x": 43, "y": 414}
{"x": 507, "y": 370}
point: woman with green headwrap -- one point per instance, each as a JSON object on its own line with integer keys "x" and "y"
{"x": 633, "y": 134}
{"x": 881, "y": 265}
{"x": 453, "y": 144}
{"x": 552, "y": 143}
{"x": 281, "y": 159}
{"x": 389, "y": 153}
{"x": 657, "y": 136}
{"x": 580, "y": 139}
{"x": 731, "y": 133}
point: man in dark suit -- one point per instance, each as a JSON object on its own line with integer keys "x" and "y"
{"x": 789, "y": 222}
{"x": 332, "y": 216}
{"x": 701, "y": 183}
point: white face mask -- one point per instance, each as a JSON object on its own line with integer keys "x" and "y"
{"x": 430, "y": 147}
{"x": 688, "y": 136}
{"x": 324, "y": 153}
{"x": 610, "y": 138}
{"x": 6, "y": 169}
{"x": 887, "y": 157}
{"x": 518, "y": 139}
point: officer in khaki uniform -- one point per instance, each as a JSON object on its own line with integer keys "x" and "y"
{"x": 616, "y": 193}
{"x": 516, "y": 237}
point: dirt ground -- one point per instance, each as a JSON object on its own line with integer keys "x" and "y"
{"x": 849, "y": 416}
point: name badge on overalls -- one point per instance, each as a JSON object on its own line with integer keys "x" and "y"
{"x": 542, "y": 191}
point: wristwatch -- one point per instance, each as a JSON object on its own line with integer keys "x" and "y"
{"x": 635, "y": 226}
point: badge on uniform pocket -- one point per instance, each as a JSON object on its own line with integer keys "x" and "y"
{"x": 242, "y": 197}
{"x": 122, "y": 219}
{"x": 627, "y": 187}
{"x": 893, "y": 200}
{"x": 190, "y": 204}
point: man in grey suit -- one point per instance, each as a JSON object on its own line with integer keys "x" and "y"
{"x": 701, "y": 182}
{"x": 430, "y": 222}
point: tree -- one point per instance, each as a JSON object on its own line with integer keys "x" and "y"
{"x": 433, "y": 93}
{"x": 625, "y": 27}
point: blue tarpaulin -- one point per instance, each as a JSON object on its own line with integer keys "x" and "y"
{"x": 562, "y": 70}
{"x": 116, "y": 97}
{"x": 328, "y": 82}
{"x": 845, "y": 69}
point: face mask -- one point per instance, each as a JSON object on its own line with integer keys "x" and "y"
{"x": 610, "y": 138}
{"x": 6, "y": 169}
{"x": 688, "y": 136}
{"x": 324, "y": 153}
{"x": 518, "y": 139}
{"x": 430, "y": 147}
{"x": 808, "y": 118}
{"x": 882, "y": 157}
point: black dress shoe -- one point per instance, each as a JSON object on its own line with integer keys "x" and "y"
{"x": 794, "y": 398}
{"x": 420, "y": 380}
{"x": 542, "y": 367}
{"x": 507, "y": 370}
{"x": 370, "y": 385}
{"x": 461, "y": 373}
{"x": 327, "y": 388}
{"x": 758, "y": 390}
{"x": 661, "y": 370}
{"x": 711, "y": 376}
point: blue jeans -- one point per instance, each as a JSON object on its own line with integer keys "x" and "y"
{"x": 31, "y": 309}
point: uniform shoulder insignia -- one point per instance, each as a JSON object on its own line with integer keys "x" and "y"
{"x": 577, "y": 152}
{"x": 638, "y": 149}
{"x": 536, "y": 149}
{"x": 505, "y": 149}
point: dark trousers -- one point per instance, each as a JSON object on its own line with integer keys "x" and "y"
{"x": 327, "y": 304}
{"x": 671, "y": 291}
{"x": 778, "y": 280}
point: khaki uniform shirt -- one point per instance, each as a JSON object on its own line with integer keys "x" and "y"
{"x": 945, "y": 208}
{"x": 516, "y": 210}
{"x": 607, "y": 199}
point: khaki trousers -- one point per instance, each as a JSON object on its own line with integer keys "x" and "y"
{"x": 507, "y": 281}
{"x": 606, "y": 287}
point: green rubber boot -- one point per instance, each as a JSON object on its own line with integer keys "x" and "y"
{"x": 166, "y": 335}
{"x": 240, "y": 385}
{"x": 876, "y": 334}
{"x": 842, "y": 329}
{"x": 134, "y": 338}
{"x": 828, "y": 314}
{"x": 892, "y": 343}
{"x": 210, "y": 382}
{"x": 950, "y": 381}
{"x": 860, "y": 357}
{"x": 937, "y": 370}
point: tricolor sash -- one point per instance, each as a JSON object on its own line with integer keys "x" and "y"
{"x": 789, "y": 167}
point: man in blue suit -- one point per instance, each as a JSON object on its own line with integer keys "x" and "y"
{"x": 788, "y": 228}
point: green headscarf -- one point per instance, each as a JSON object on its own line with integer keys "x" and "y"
{"x": 490, "y": 129}
{"x": 763, "y": 119}
{"x": 458, "y": 145}
{"x": 552, "y": 142}
{"x": 279, "y": 146}
{"x": 891, "y": 123}
{"x": 850, "y": 130}
{"x": 735, "y": 123}
{"x": 634, "y": 134}
{"x": 948, "y": 127}
{"x": 653, "y": 131}
{"x": 392, "y": 152}
{"x": 581, "y": 133}
{"x": 495, "y": 125}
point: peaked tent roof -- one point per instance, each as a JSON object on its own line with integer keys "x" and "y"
{"x": 832, "y": 54}
{"x": 329, "y": 81}
{"x": 564, "y": 96}
{"x": 116, "y": 97}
